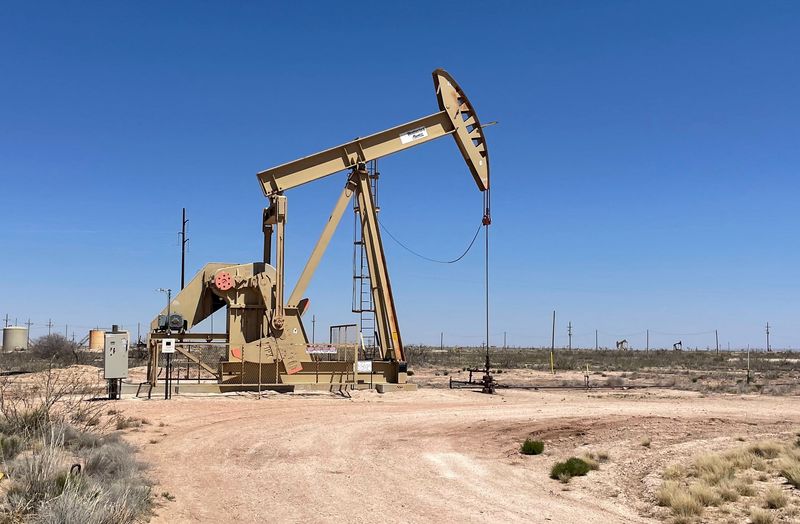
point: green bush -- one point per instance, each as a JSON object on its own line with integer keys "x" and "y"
{"x": 10, "y": 446}
{"x": 572, "y": 467}
{"x": 532, "y": 447}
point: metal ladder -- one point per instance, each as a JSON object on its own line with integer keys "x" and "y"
{"x": 362, "y": 284}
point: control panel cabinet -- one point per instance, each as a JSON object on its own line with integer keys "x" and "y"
{"x": 115, "y": 355}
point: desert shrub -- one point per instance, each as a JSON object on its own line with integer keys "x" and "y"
{"x": 572, "y": 467}
{"x": 646, "y": 442}
{"x": 35, "y": 475}
{"x": 532, "y": 447}
{"x": 410, "y": 372}
{"x": 760, "y": 516}
{"x": 774, "y": 498}
{"x": 56, "y": 347}
{"x": 603, "y": 456}
{"x": 10, "y": 446}
{"x": 112, "y": 459}
{"x": 46, "y": 426}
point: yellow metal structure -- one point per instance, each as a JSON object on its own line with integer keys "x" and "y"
{"x": 267, "y": 344}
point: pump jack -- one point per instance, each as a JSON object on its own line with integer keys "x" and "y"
{"x": 267, "y": 343}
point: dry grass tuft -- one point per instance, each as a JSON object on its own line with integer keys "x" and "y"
{"x": 727, "y": 491}
{"x": 767, "y": 449}
{"x": 704, "y": 494}
{"x": 666, "y": 493}
{"x": 789, "y": 468}
{"x": 674, "y": 472}
{"x": 774, "y": 498}
{"x": 760, "y": 516}
{"x": 684, "y": 505}
{"x": 713, "y": 469}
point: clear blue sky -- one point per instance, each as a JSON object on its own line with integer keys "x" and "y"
{"x": 645, "y": 169}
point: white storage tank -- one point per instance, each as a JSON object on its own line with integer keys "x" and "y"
{"x": 15, "y": 338}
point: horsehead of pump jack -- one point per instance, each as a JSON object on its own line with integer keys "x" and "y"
{"x": 267, "y": 343}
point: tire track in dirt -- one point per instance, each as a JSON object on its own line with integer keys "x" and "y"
{"x": 426, "y": 456}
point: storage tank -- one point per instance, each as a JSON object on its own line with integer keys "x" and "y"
{"x": 15, "y": 338}
{"x": 97, "y": 339}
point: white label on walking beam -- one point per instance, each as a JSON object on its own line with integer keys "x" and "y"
{"x": 414, "y": 134}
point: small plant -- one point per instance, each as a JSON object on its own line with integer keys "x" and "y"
{"x": 167, "y": 495}
{"x": 745, "y": 488}
{"x": 790, "y": 469}
{"x": 532, "y": 447}
{"x": 10, "y": 446}
{"x": 760, "y": 516}
{"x": 684, "y": 505}
{"x": 767, "y": 449}
{"x": 603, "y": 456}
{"x": 129, "y": 422}
{"x": 774, "y": 498}
{"x": 674, "y": 472}
{"x": 589, "y": 458}
{"x": 727, "y": 491}
{"x": 572, "y": 467}
{"x": 704, "y": 494}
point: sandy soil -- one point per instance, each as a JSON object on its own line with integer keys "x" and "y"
{"x": 432, "y": 455}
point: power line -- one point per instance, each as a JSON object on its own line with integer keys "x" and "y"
{"x": 453, "y": 261}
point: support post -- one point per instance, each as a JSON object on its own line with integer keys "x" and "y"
{"x": 385, "y": 312}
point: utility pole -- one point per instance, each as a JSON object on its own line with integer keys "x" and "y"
{"x": 441, "y": 341}
{"x": 505, "y": 345}
{"x": 138, "y": 333}
{"x": 768, "y": 349}
{"x": 184, "y": 240}
{"x": 66, "y": 330}
{"x": 6, "y": 320}
{"x": 647, "y": 346}
{"x": 313, "y": 329}
{"x": 595, "y": 340}
{"x": 553, "y": 345}
{"x": 29, "y": 324}
{"x": 569, "y": 332}
{"x": 716, "y": 336}
{"x": 49, "y": 325}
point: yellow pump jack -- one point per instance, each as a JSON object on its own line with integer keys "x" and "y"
{"x": 267, "y": 346}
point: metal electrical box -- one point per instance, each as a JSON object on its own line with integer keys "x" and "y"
{"x": 115, "y": 355}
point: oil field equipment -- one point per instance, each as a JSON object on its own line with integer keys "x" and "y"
{"x": 623, "y": 345}
{"x": 265, "y": 339}
{"x": 15, "y": 338}
{"x": 115, "y": 360}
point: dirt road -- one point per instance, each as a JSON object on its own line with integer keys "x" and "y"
{"x": 432, "y": 455}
